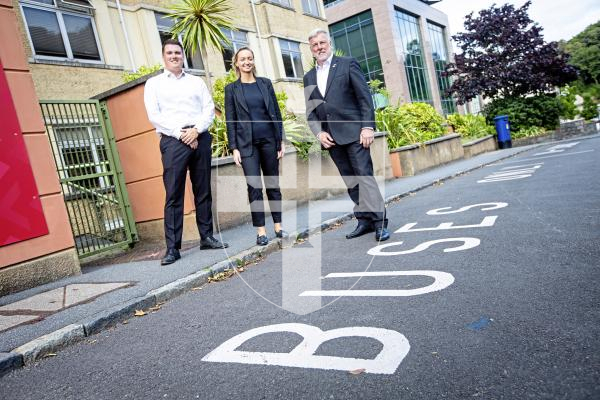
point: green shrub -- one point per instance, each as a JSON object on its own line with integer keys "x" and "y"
{"x": 590, "y": 108}
{"x": 470, "y": 126}
{"x": 527, "y": 132}
{"x": 218, "y": 131}
{"x": 218, "y": 92}
{"x": 541, "y": 110}
{"x": 410, "y": 123}
{"x": 142, "y": 71}
{"x": 301, "y": 138}
{"x": 568, "y": 109}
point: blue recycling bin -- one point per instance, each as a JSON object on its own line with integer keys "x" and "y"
{"x": 503, "y": 131}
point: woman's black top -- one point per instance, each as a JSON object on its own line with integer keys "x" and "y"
{"x": 262, "y": 125}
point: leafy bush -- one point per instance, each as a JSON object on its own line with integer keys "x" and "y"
{"x": 142, "y": 71}
{"x": 218, "y": 131}
{"x": 219, "y": 89}
{"x": 301, "y": 138}
{"x": 568, "y": 109}
{"x": 470, "y": 126}
{"x": 590, "y": 108}
{"x": 409, "y": 123}
{"x": 523, "y": 112}
{"x": 527, "y": 132}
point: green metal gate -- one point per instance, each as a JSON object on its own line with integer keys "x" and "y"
{"x": 90, "y": 174}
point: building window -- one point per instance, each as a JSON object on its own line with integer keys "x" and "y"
{"x": 356, "y": 37}
{"x": 439, "y": 53}
{"x": 164, "y": 25}
{"x": 285, "y": 3}
{"x": 238, "y": 39}
{"x": 65, "y": 31}
{"x": 83, "y": 154}
{"x": 292, "y": 60}
{"x": 414, "y": 63}
{"x": 311, "y": 7}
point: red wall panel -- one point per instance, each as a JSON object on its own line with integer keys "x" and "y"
{"x": 21, "y": 213}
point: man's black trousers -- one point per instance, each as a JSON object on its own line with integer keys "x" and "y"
{"x": 177, "y": 159}
{"x": 356, "y": 168}
{"x": 264, "y": 156}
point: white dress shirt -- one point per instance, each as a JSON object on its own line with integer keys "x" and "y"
{"x": 323, "y": 74}
{"x": 173, "y": 102}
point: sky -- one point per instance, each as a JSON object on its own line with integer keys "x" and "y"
{"x": 561, "y": 19}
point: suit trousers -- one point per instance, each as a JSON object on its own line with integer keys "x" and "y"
{"x": 177, "y": 159}
{"x": 354, "y": 163}
{"x": 264, "y": 156}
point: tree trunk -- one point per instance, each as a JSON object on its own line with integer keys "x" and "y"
{"x": 206, "y": 68}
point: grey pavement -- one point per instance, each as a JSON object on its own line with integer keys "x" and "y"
{"x": 146, "y": 283}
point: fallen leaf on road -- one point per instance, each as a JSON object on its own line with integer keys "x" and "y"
{"x": 125, "y": 322}
{"x": 357, "y": 371}
{"x": 140, "y": 313}
{"x": 50, "y": 355}
{"x": 196, "y": 288}
{"x": 155, "y": 308}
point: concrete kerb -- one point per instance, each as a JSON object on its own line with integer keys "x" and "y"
{"x": 49, "y": 343}
{"x": 46, "y": 344}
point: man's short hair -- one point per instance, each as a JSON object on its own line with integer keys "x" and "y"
{"x": 171, "y": 41}
{"x": 316, "y": 32}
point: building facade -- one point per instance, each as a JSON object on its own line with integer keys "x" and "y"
{"x": 404, "y": 43}
{"x": 80, "y": 48}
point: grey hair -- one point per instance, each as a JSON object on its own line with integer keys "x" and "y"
{"x": 315, "y": 32}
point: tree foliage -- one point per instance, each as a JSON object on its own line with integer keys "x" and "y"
{"x": 524, "y": 112}
{"x": 200, "y": 23}
{"x": 584, "y": 51}
{"x": 504, "y": 55}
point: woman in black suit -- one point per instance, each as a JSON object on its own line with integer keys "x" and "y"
{"x": 255, "y": 133}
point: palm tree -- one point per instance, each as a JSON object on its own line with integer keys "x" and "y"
{"x": 199, "y": 22}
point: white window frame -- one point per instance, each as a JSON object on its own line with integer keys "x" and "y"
{"x": 235, "y": 44}
{"x": 287, "y": 51}
{"x": 63, "y": 32}
{"x": 311, "y": 4}
{"x": 283, "y": 3}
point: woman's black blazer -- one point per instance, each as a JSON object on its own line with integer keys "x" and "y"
{"x": 239, "y": 124}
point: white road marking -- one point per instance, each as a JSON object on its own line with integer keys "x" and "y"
{"x": 488, "y": 207}
{"x": 468, "y": 243}
{"x": 485, "y": 223}
{"x": 541, "y": 158}
{"x": 558, "y": 148}
{"x": 395, "y": 348}
{"x": 441, "y": 281}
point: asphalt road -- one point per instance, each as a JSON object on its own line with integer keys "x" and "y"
{"x": 511, "y": 312}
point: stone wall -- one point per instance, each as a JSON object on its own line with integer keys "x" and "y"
{"x": 480, "y": 145}
{"x": 419, "y": 157}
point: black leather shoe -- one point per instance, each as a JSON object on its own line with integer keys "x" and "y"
{"x": 381, "y": 234}
{"x": 361, "y": 229}
{"x": 212, "y": 243}
{"x": 170, "y": 257}
{"x": 281, "y": 234}
{"x": 262, "y": 240}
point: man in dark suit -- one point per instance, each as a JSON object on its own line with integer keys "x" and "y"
{"x": 339, "y": 109}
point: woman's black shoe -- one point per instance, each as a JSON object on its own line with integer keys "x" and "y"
{"x": 281, "y": 234}
{"x": 262, "y": 240}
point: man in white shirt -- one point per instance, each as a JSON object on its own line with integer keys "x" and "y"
{"x": 181, "y": 109}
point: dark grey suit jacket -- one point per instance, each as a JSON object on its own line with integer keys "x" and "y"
{"x": 239, "y": 124}
{"x": 347, "y": 106}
